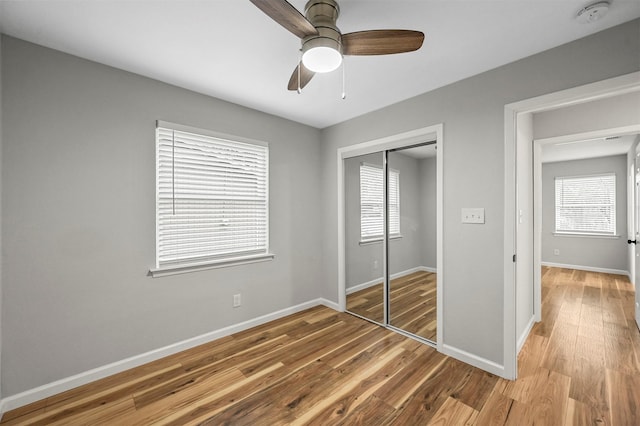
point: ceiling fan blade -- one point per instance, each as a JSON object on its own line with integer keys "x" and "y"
{"x": 286, "y": 15}
{"x": 381, "y": 42}
{"x": 305, "y": 77}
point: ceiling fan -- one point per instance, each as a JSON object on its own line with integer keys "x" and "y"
{"x": 323, "y": 45}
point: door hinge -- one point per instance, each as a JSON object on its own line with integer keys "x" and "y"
{"x": 514, "y": 258}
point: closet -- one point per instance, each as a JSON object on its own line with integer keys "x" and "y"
{"x": 391, "y": 237}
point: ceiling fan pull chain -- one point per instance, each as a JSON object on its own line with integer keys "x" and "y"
{"x": 344, "y": 84}
{"x": 299, "y": 66}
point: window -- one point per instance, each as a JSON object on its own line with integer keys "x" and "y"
{"x": 586, "y": 204}
{"x": 372, "y": 202}
{"x": 211, "y": 198}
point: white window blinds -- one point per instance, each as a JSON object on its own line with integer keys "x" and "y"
{"x": 372, "y": 202}
{"x": 586, "y": 204}
{"x": 394, "y": 202}
{"x": 212, "y": 198}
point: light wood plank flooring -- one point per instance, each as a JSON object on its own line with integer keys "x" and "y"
{"x": 578, "y": 367}
{"x": 412, "y": 303}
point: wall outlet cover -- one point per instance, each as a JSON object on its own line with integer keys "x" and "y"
{"x": 473, "y": 215}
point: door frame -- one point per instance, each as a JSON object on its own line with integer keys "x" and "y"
{"x": 390, "y": 142}
{"x": 635, "y": 165}
{"x": 606, "y": 88}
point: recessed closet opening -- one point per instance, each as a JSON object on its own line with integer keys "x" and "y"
{"x": 390, "y": 216}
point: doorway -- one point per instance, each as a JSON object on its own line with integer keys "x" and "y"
{"x": 518, "y": 150}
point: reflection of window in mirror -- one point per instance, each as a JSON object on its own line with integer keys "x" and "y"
{"x": 372, "y": 203}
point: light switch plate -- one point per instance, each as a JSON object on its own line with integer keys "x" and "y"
{"x": 473, "y": 215}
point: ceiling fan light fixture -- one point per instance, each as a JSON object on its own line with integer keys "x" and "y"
{"x": 323, "y": 44}
{"x": 321, "y": 54}
{"x": 322, "y": 59}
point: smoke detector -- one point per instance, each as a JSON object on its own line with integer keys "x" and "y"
{"x": 592, "y": 12}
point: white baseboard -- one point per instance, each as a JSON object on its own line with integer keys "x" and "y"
{"x": 586, "y": 268}
{"x": 474, "y": 360}
{"x": 525, "y": 334}
{"x": 371, "y": 283}
{"x": 411, "y": 271}
{"x": 329, "y": 304}
{"x": 62, "y": 385}
{"x": 362, "y": 286}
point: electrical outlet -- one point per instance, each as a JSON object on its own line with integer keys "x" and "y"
{"x": 556, "y": 252}
{"x": 375, "y": 264}
{"x": 237, "y": 300}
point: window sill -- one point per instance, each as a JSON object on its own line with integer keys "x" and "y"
{"x": 164, "y": 271}
{"x": 578, "y": 235}
{"x": 378, "y": 240}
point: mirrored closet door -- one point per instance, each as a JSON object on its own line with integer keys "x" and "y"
{"x": 412, "y": 240}
{"x": 364, "y": 231}
{"x": 390, "y": 238}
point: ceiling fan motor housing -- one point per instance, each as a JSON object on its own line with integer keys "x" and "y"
{"x": 323, "y": 14}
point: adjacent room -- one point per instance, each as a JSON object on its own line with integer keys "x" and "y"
{"x": 319, "y": 212}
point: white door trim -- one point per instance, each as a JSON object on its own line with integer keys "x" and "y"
{"x": 636, "y": 232}
{"x": 601, "y": 89}
{"x": 390, "y": 142}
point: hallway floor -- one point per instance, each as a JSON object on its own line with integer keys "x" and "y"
{"x": 580, "y": 364}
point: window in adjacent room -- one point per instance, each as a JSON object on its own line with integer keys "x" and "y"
{"x": 212, "y": 204}
{"x": 586, "y": 204}
{"x": 372, "y": 203}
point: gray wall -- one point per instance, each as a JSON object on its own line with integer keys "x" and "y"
{"x": 585, "y": 251}
{"x": 608, "y": 113}
{"x": 472, "y": 111}
{"x": 427, "y": 170}
{"x": 78, "y": 222}
{"x": 364, "y": 262}
{"x": 524, "y": 248}
{"x": 405, "y": 252}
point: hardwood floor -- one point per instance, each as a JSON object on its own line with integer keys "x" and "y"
{"x": 588, "y": 346}
{"x": 578, "y": 367}
{"x": 412, "y": 303}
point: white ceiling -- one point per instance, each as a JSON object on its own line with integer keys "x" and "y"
{"x": 591, "y": 148}
{"x": 229, "y": 49}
